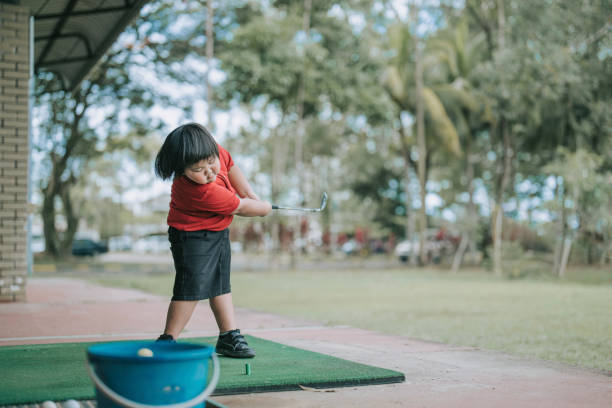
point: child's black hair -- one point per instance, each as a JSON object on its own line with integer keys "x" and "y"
{"x": 184, "y": 146}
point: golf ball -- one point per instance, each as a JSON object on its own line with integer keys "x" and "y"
{"x": 49, "y": 404}
{"x": 144, "y": 352}
{"x": 71, "y": 404}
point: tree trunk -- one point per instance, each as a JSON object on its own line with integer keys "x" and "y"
{"x": 567, "y": 246}
{"x": 497, "y": 240}
{"x": 56, "y": 246}
{"x": 498, "y": 214}
{"x": 53, "y": 245}
{"x": 590, "y": 255}
{"x": 55, "y": 187}
{"x": 299, "y": 141}
{"x": 279, "y": 165}
{"x": 326, "y": 216}
{"x": 568, "y": 238}
{"x": 503, "y": 184}
{"x": 471, "y": 211}
{"x": 408, "y": 220}
{"x": 420, "y": 131}
{"x": 561, "y": 228}
{"x": 48, "y": 217}
{"x": 501, "y": 21}
{"x": 460, "y": 252}
{"x": 72, "y": 220}
{"x": 607, "y": 249}
{"x": 209, "y": 62}
{"x": 409, "y": 227}
{"x": 408, "y": 163}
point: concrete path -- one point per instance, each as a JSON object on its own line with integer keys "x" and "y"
{"x": 437, "y": 375}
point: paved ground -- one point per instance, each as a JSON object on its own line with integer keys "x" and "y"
{"x": 437, "y": 375}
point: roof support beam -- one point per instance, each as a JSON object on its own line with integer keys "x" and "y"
{"x": 83, "y": 12}
{"x": 56, "y": 31}
{"x": 109, "y": 40}
{"x": 66, "y": 61}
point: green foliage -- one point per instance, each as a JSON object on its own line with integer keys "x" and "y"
{"x": 267, "y": 57}
{"x": 377, "y": 180}
{"x": 108, "y": 113}
{"x": 549, "y": 81}
{"x": 589, "y": 199}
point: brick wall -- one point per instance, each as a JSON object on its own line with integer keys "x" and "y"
{"x": 14, "y": 122}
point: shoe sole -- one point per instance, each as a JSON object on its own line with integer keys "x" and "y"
{"x": 235, "y": 354}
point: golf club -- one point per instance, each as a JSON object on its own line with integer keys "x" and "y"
{"x": 321, "y": 208}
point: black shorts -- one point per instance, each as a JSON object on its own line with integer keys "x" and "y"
{"x": 202, "y": 263}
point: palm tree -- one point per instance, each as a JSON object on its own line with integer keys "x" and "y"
{"x": 402, "y": 82}
{"x": 455, "y": 54}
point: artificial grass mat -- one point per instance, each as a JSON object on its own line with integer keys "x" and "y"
{"x": 56, "y": 372}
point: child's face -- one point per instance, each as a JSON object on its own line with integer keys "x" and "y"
{"x": 205, "y": 171}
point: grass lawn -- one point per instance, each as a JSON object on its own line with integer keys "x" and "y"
{"x": 565, "y": 321}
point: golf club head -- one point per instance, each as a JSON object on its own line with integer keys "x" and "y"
{"x": 323, "y": 202}
{"x": 321, "y": 208}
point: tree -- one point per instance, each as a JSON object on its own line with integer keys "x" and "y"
{"x": 401, "y": 80}
{"x": 318, "y": 83}
{"x": 71, "y": 135}
{"x": 454, "y": 53}
{"x": 586, "y": 190}
{"x": 538, "y": 88}
{"x": 420, "y": 132}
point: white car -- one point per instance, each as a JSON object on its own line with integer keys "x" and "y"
{"x": 434, "y": 249}
{"x": 403, "y": 250}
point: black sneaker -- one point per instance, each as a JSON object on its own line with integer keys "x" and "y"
{"x": 166, "y": 338}
{"x": 233, "y": 344}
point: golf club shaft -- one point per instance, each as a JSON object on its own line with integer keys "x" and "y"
{"x": 321, "y": 208}
{"x": 281, "y": 207}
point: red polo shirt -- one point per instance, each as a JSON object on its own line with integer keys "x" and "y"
{"x": 209, "y": 206}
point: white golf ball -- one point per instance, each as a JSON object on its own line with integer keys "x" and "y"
{"x": 49, "y": 404}
{"x": 71, "y": 404}
{"x": 145, "y": 352}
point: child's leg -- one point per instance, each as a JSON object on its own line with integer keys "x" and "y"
{"x": 179, "y": 313}
{"x": 230, "y": 342}
{"x": 223, "y": 309}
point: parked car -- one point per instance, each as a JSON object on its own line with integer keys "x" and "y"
{"x": 88, "y": 247}
{"x": 350, "y": 247}
{"x": 402, "y": 250}
{"x": 437, "y": 246}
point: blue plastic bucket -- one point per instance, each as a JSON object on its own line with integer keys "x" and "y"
{"x": 139, "y": 374}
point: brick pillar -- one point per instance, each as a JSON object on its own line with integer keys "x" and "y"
{"x": 14, "y": 149}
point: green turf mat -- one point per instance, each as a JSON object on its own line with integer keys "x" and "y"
{"x": 35, "y": 373}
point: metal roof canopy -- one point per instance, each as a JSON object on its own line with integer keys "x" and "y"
{"x": 70, "y": 36}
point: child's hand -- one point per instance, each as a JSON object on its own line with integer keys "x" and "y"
{"x": 268, "y": 208}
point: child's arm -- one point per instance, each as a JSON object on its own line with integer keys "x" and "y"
{"x": 250, "y": 204}
{"x": 241, "y": 184}
{"x": 252, "y": 208}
